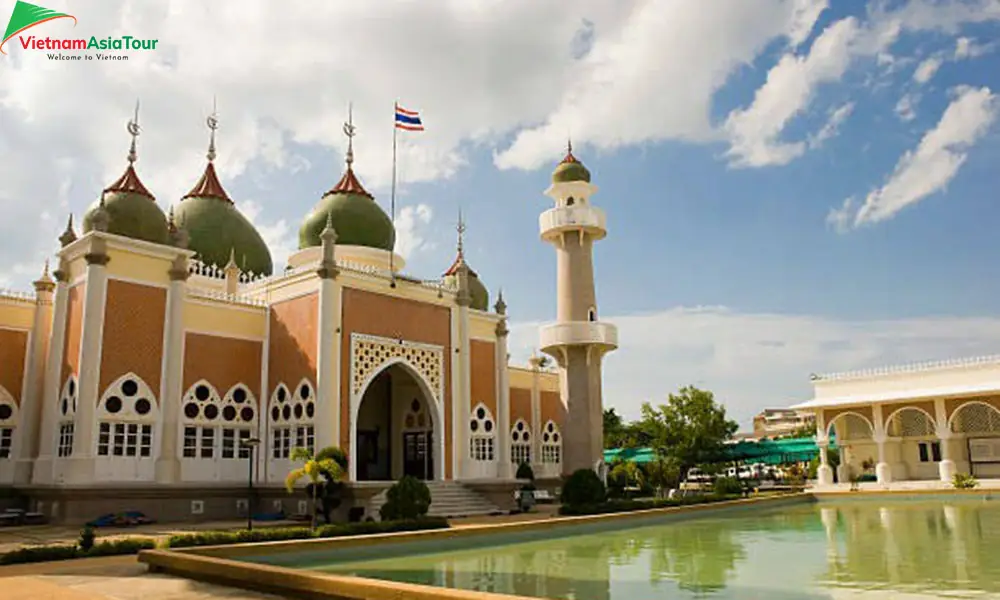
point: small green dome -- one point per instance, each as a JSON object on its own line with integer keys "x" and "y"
{"x": 357, "y": 218}
{"x": 217, "y": 229}
{"x": 477, "y": 289}
{"x": 570, "y": 169}
{"x": 132, "y": 210}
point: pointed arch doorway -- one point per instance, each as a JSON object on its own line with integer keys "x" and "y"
{"x": 396, "y": 427}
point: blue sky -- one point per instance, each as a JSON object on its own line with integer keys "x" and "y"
{"x": 723, "y": 265}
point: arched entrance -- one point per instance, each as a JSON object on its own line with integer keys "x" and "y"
{"x": 396, "y": 427}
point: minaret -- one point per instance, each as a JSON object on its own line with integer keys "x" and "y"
{"x": 577, "y": 340}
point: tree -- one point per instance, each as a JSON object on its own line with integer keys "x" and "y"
{"x": 620, "y": 434}
{"x": 317, "y": 469}
{"x": 690, "y": 428}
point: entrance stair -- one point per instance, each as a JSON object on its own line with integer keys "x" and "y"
{"x": 449, "y": 499}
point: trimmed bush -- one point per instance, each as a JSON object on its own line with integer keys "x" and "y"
{"x": 583, "y": 488}
{"x": 275, "y": 534}
{"x": 728, "y": 486}
{"x": 964, "y": 481}
{"x": 619, "y": 506}
{"x": 524, "y": 471}
{"x": 31, "y": 554}
{"x": 408, "y": 498}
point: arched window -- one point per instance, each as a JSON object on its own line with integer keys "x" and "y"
{"x": 67, "y": 413}
{"x": 592, "y": 314}
{"x": 8, "y": 423}
{"x": 520, "y": 443}
{"x": 291, "y": 414}
{"x": 126, "y": 416}
{"x": 239, "y": 419}
{"x": 570, "y": 201}
{"x": 201, "y": 407}
{"x": 482, "y": 433}
{"x": 551, "y": 444}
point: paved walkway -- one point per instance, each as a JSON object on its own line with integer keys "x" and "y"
{"x": 902, "y": 486}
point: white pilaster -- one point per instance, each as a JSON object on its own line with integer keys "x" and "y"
{"x": 883, "y": 472}
{"x": 465, "y": 371}
{"x": 536, "y": 413}
{"x": 503, "y": 403}
{"x": 824, "y": 474}
{"x": 458, "y": 424}
{"x": 946, "y": 468}
{"x": 328, "y": 357}
{"x": 32, "y": 394}
{"x": 168, "y": 465}
{"x": 42, "y": 472}
{"x": 95, "y": 301}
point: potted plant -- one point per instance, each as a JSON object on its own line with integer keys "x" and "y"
{"x": 526, "y": 499}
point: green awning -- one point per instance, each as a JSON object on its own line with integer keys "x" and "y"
{"x": 772, "y": 452}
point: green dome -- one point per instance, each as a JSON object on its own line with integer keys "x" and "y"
{"x": 216, "y": 228}
{"x": 132, "y": 211}
{"x": 357, "y": 218}
{"x": 477, "y": 289}
{"x": 570, "y": 169}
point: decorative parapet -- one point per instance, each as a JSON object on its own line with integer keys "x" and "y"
{"x": 16, "y": 297}
{"x": 908, "y": 368}
{"x": 387, "y": 275}
{"x": 196, "y": 267}
{"x": 217, "y": 296}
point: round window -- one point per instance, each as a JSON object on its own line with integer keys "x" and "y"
{"x": 229, "y": 413}
{"x": 211, "y": 411}
{"x": 239, "y": 395}
{"x": 191, "y": 410}
{"x": 246, "y": 413}
{"x": 113, "y": 405}
{"x": 143, "y": 406}
{"x": 130, "y": 388}
{"x": 6, "y": 412}
{"x": 202, "y": 392}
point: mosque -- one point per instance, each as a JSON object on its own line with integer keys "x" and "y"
{"x": 163, "y": 362}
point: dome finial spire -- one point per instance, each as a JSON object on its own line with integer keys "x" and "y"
{"x": 134, "y": 130}
{"x": 569, "y": 145}
{"x": 213, "y": 124}
{"x": 350, "y": 131}
{"x": 460, "y": 228}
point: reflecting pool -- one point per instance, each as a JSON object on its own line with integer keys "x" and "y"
{"x": 856, "y": 548}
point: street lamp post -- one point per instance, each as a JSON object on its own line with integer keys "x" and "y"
{"x": 249, "y": 444}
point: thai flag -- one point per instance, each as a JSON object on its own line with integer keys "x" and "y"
{"x": 408, "y": 119}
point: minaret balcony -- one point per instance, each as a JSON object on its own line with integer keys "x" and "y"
{"x": 578, "y": 333}
{"x": 563, "y": 219}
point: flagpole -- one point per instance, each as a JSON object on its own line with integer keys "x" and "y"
{"x": 392, "y": 199}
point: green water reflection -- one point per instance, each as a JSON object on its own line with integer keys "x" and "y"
{"x": 796, "y": 552}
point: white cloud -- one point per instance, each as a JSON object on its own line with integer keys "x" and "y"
{"x": 936, "y": 159}
{"x": 411, "y": 230}
{"x": 969, "y": 48}
{"x": 280, "y": 238}
{"x": 926, "y": 69}
{"x": 840, "y": 218}
{"x": 835, "y": 119}
{"x": 754, "y": 132}
{"x": 906, "y": 107}
{"x": 753, "y": 361}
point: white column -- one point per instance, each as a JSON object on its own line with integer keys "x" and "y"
{"x": 536, "y": 414}
{"x": 95, "y": 300}
{"x": 883, "y": 473}
{"x": 458, "y": 424}
{"x": 26, "y": 438}
{"x": 824, "y": 475}
{"x": 946, "y": 468}
{"x": 42, "y": 472}
{"x": 328, "y": 357}
{"x": 465, "y": 379}
{"x": 168, "y": 465}
{"x": 503, "y": 402}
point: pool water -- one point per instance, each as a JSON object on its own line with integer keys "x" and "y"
{"x": 855, "y": 548}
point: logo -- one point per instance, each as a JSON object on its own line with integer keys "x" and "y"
{"x": 26, "y": 16}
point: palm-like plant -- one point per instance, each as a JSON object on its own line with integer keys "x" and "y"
{"x": 317, "y": 468}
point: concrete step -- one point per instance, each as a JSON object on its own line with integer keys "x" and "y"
{"x": 448, "y": 499}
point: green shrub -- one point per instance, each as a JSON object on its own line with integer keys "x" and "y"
{"x": 30, "y": 554}
{"x": 87, "y": 538}
{"x": 524, "y": 471}
{"x": 220, "y": 538}
{"x": 582, "y": 488}
{"x": 408, "y": 498}
{"x": 728, "y": 486}
{"x": 121, "y": 546}
{"x": 963, "y": 481}
{"x": 619, "y": 506}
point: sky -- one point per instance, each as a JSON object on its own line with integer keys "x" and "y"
{"x": 791, "y": 187}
